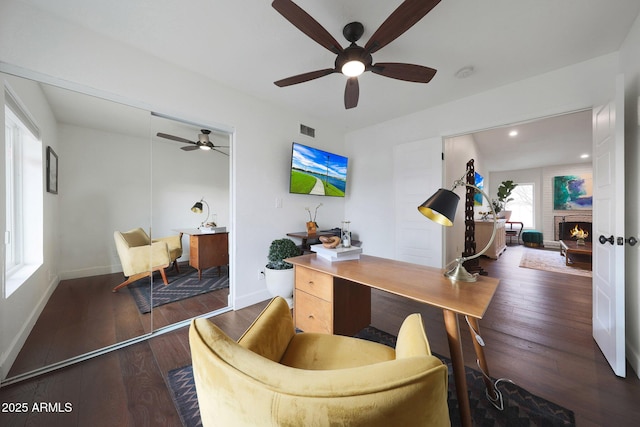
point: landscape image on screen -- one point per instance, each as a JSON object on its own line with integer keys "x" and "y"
{"x": 317, "y": 172}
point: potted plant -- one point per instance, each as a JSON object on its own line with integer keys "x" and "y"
{"x": 279, "y": 273}
{"x": 504, "y": 196}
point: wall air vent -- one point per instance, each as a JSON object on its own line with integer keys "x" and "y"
{"x": 306, "y": 130}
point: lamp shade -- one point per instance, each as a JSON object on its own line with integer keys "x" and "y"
{"x": 441, "y": 207}
{"x": 197, "y": 208}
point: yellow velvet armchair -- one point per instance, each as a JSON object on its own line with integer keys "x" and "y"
{"x": 140, "y": 256}
{"x": 275, "y": 377}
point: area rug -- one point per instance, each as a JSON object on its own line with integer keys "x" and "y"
{"x": 521, "y": 408}
{"x": 549, "y": 260}
{"x": 181, "y": 286}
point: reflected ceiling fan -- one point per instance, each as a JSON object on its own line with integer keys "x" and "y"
{"x": 203, "y": 143}
{"x": 355, "y": 60}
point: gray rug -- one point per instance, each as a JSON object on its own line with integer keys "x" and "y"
{"x": 181, "y": 286}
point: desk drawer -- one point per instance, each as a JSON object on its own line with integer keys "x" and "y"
{"x": 315, "y": 283}
{"x": 313, "y": 314}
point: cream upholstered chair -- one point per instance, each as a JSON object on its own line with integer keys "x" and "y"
{"x": 275, "y": 377}
{"x": 140, "y": 256}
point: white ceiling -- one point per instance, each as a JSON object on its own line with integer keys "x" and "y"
{"x": 557, "y": 140}
{"x": 248, "y": 45}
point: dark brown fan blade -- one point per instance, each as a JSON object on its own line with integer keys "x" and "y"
{"x": 193, "y": 147}
{"x": 351, "y": 93}
{"x": 174, "y": 138}
{"x": 406, "y": 72}
{"x": 301, "y": 78}
{"x": 403, "y": 18}
{"x": 305, "y": 23}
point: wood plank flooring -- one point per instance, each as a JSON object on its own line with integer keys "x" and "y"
{"x": 537, "y": 330}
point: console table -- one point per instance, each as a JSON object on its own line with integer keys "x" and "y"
{"x": 335, "y": 298}
{"x": 207, "y": 249}
{"x": 483, "y": 234}
{"x": 304, "y": 236}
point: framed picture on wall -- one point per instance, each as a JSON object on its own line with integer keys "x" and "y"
{"x": 52, "y": 171}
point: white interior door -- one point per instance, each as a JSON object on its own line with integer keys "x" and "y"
{"x": 608, "y": 217}
{"x": 417, "y": 175}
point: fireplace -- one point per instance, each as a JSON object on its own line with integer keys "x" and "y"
{"x": 566, "y": 228}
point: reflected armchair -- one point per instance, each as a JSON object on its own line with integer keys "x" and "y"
{"x": 140, "y": 256}
{"x": 275, "y": 376}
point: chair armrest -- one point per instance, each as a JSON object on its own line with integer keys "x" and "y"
{"x": 269, "y": 335}
{"x": 172, "y": 241}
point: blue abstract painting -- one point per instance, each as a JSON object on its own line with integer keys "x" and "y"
{"x": 573, "y": 192}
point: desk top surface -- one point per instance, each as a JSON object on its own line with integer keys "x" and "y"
{"x": 417, "y": 282}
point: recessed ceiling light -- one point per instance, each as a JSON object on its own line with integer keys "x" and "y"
{"x": 584, "y": 156}
{"x": 513, "y": 133}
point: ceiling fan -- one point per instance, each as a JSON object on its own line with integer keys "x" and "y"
{"x": 354, "y": 60}
{"x": 203, "y": 143}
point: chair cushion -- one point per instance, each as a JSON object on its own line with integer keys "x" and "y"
{"x": 321, "y": 352}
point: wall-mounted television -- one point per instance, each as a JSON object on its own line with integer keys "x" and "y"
{"x": 317, "y": 172}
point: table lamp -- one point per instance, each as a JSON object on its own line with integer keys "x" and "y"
{"x": 441, "y": 208}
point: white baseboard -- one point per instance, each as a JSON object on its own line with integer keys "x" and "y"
{"x": 633, "y": 356}
{"x": 90, "y": 271}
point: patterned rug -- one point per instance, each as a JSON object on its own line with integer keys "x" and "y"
{"x": 181, "y": 286}
{"x": 521, "y": 408}
{"x": 550, "y": 260}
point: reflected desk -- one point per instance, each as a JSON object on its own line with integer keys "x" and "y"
{"x": 335, "y": 298}
{"x": 207, "y": 249}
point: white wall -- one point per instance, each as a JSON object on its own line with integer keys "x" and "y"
{"x": 262, "y": 140}
{"x": 19, "y": 312}
{"x": 630, "y": 66}
{"x": 568, "y": 89}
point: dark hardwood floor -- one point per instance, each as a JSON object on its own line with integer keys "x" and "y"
{"x": 537, "y": 331}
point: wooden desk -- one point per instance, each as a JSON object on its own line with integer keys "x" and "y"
{"x": 335, "y": 298}
{"x": 207, "y": 250}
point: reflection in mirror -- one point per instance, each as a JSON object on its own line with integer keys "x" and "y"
{"x": 184, "y": 173}
{"x": 104, "y": 185}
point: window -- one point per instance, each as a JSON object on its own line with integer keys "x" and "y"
{"x": 522, "y": 206}
{"x": 23, "y": 180}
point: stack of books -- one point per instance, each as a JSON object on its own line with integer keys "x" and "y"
{"x": 337, "y": 254}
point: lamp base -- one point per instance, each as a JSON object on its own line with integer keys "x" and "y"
{"x": 460, "y": 274}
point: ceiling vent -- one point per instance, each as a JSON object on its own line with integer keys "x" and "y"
{"x": 306, "y": 130}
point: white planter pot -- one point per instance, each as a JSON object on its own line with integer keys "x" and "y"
{"x": 280, "y": 283}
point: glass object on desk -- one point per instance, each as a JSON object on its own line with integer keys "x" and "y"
{"x": 346, "y": 235}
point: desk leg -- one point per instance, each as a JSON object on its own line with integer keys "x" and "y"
{"x": 457, "y": 361}
{"x": 474, "y": 328}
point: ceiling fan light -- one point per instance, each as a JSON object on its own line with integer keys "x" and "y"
{"x": 204, "y": 147}
{"x": 353, "y": 68}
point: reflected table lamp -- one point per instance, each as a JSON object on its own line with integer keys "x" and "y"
{"x": 198, "y": 207}
{"x": 441, "y": 208}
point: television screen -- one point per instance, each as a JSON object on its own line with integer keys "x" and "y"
{"x": 314, "y": 171}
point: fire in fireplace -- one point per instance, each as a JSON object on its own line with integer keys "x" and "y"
{"x": 574, "y": 230}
